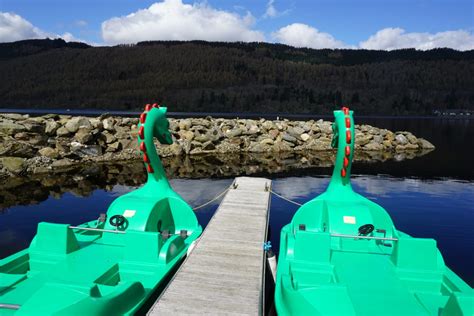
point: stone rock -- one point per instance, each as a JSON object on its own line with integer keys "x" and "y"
{"x": 281, "y": 146}
{"x": 326, "y": 128}
{"x": 411, "y": 146}
{"x": 373, "y": 146}
{"x": 96, "y": 123}
{"x": 184, "y": 124}
{"x": 295, "y": 131}
{"x": 32, "y": 139}
{"x": 209, "y": 145}
{"x": 186, "y": 135}
{"x": 173, "y": 125}
{"x": 13, "y": 164}
{"x": 305, "y": 137}
{"x": 109, "y": 138}
{"x": 287, "y": 137}
{"x": 129, "y": 144}
{"x": 13, "y": 116}
{"x": 113, "y": 147}
{"x": 214, "y": 134}
{"x": 62, "y": 163}
{"x": 108, "y": 124}
{"x": 411, "y": 138}
{"x": 253, "y": 129}
{"x": 268, "y": 125}
{"x": 362, "y": 139}
{"x": 51, "y": 127}
{"x": 49, "y": 152}
{"x": 85, "y": 150}
{"x": 258, "y": 147}
{"x": 10, "y": 128}
{"x": 378, "y": 139}
{"x": 34, "y": 127}
{"x": 234, "y": 132}
{"x": 16, "y": 148}
{"x": 62, "y": 131}
{"x": 319, "y": 144}
{"x": 74, "y": 124}
{"x": 424, "y": 144}
{"x": 266, "y": 141}
{"x": 122, "y": 132}
{"x": 83, "y": 136}
{"x": 273, "y": 133}
{"x": 227, "y": 147}
{"x": 401, "y": 139}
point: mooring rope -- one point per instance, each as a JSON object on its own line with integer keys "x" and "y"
{"x": 284, "y": 198}
{"x": 232, "y": 186}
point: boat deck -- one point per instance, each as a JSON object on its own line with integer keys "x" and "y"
{"x": 224, "y": 273}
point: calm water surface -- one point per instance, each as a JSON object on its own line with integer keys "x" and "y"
{"x": 430, "y": 196}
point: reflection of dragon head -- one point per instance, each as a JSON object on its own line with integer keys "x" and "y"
{"x": 153, "y": 123}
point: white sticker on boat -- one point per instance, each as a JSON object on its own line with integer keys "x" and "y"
{"x": 349, "y": 219}
{"x": 129, "y": 213}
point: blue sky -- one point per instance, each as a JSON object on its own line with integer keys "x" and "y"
{"x": 380, "y": 24}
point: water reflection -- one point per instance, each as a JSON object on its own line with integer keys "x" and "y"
{"x": 82, "y": 180}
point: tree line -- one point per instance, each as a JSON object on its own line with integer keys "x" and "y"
{"x": 203, "y": 76}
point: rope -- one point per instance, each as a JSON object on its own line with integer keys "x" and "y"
{"x": 232, "y": 186}
{"x": 284, "y": 198}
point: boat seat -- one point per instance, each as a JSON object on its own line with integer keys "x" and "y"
{"x": 415, "y": 254}
{"x": 312, "y": 246}
{"x": 51, "y": 244}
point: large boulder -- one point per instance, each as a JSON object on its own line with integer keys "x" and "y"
{"x": 74, "y": 124}
{"x": 51, "y": 127}
{"x": 13, "y": 164}
{"x": 49, "y": 152}
{"x": 10, "y": 128}
{"x": 401, "y": 139}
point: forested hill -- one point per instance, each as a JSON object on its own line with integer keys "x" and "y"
{"x": 233, "y": 77}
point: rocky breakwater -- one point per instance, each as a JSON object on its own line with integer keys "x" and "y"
{"x": 50, "y": 142}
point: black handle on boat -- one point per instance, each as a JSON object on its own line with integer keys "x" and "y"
{"x": 363, "y": 237}
{"x": 10, "y": 306}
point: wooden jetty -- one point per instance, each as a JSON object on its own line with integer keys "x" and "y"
{"x": 224, "y": 273}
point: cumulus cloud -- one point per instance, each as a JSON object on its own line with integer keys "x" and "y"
{"x": 174, "y": 20}
{"x": 14, "y": 28}
{"x": 302, "y": 35}
{"x": 397, "y": 38}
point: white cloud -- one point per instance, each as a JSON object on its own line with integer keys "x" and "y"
{"x": 272, "y": 12}
{"x": 302, "y": 35}
{"x": 174, "y": 20}
{"x": 14, "y": 28}
{"x": 81, "y": 23}
{"x": 397, "y": 38}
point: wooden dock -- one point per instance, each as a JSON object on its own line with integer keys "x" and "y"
{"x": 223, "y": 274}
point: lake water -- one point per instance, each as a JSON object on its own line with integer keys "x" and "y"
{"x": 428, "y": 196}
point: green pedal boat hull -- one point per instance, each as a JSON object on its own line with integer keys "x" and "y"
{"x": 109, "y": 266}
{"x": 342, "y": 255}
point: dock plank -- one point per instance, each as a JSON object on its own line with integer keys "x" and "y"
{"x": 223, "y": 275}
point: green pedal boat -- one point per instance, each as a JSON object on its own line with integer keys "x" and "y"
{"x": 342, "y": 255}
{"x": 108, "y": 266}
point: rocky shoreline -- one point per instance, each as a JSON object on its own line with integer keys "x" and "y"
{"x": 34, "y": 145}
